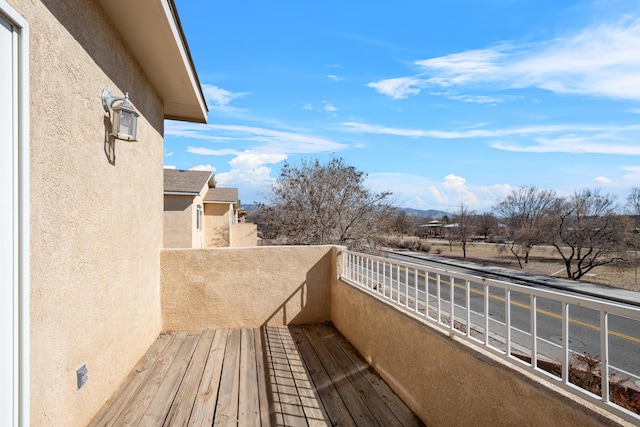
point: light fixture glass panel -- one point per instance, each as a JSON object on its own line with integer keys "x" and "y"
{"x": 127, "y": 125}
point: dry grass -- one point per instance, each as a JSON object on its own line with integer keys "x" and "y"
{"x": 543, "y": 260}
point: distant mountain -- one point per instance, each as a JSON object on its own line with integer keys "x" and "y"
{"x": 430, "y": 213}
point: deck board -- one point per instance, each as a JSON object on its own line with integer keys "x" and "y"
{"x": 281, "y": 376}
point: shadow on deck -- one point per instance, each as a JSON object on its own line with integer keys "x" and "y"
{"x": 281, "y": 376}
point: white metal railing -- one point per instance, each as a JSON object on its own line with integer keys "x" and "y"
{"x": 571, "y": 339}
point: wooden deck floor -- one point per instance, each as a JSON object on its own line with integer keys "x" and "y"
{"x": 281, "y": 376}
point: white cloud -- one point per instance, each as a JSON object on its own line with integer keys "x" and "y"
{"x": 328, "y": 107}
{"x": 592, "y": 143}
{"x": 475, "y": 99}
{"x": 209, "y": 168}
{"x": 168, "y": 154}
{"x": 335, "y": 78}
{"x": 602, "y": 180}
{"x": 423, "y": 193}
{"x": 307, "y": 106}
{"x": 398, "y": 88}
{"x": 541, "y": 139}
{"x": 218, "y": 96}
{"x": 209, "y": 152}
{"x": 169, "y": 166}
{"x": 262, "y": 140}
{"x": 249, "y": 167}
{"x": 601, "y": 60}
{"x": 633, "y": 175}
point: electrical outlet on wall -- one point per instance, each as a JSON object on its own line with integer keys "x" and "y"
{"x": 81, "y": 376}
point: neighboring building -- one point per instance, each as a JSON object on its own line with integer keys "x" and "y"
{"x": 184, "y": 193}
{"x": 81, "y": 212}
{"x": 197, "y": 214}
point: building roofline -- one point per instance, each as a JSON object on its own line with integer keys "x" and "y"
{"x": 153, "y": 32}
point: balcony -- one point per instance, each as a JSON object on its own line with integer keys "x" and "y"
{"x": 281, "y": 376}
{"x": 250, "y": 345}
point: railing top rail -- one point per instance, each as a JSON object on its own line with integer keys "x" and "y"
{"x": 535, "y": 289}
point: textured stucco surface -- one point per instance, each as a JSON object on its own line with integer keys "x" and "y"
{"x": 217, "y": 224}
{"x": 96, "y": 212}
{"x": 249, "y": 287}
{"x": 443, "y": 381}
{"x": 244, "y": 234}
{"x": 179, "y": 222}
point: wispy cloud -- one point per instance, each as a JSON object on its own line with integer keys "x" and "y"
{"x": 537, "y": 139}
{"x": 218, "y": 96}
{"x": 329, "y": 107}
{"x": 398, "y": 88}
{"x": 209, "y": 168}
{"x": 599, "y": 61}
{"x": 633, "y": 174}
{"x": 335, "y": 78}
{"x": 593, "y": 144}
{"x": 475, "y": 99}
{"x": 602, "y": 180}
{"x": 263, "y": 140}
{"x": 254, "y": 148}
{"x": 210, "y": 152}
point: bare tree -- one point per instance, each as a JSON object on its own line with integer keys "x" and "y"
{"x": 402, "y": 223}
{"x": 521, "y": 213}
{"x": 586, "y": 231}
{"x": 633, "y": 208}
{"x": 487, "y": 225}
{"x": 316, "y": 203}
{"x": 466, "y": 222}
{"x": 633, "y": 201}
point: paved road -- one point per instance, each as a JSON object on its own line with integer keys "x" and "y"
{"x": 584, "y": 336}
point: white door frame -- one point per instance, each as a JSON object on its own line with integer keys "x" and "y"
{"x": 21, "y": 288}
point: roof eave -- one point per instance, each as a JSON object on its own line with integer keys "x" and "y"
{"x": 152, "y": 30}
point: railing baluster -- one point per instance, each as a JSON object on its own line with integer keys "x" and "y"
{"x": 406, "y": 287}
{"x": 486, "y": 312}
{"x": 451, "y": 293}
{"x": 468, "y": 308}
{"x": 534, "y": 331}
{"x": 507, "y": 313}
{"x": 415, "y": 288}
{"x": 565, "y": 342}
{"x": 365, "y": 271}
{"x": 438, "y": 295}
{"x": 604, "y": 354}
{"x": 398, "y": 283}
{"x": 426, "y": 295}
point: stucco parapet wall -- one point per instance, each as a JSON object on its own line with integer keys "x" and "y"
{"x": 447, "y": 381}
{"x": 246, "y": 287}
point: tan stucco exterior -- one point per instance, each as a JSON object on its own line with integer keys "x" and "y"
{"x": 217, "y": 225}
{"x": 95, "y": 211}
{"x": 102, "y": 289}
{"x": 244, "y": 234}
{"x": 249, "y": 287}
{"x": 180, "y": 230}
{"x": 445, "y": 382}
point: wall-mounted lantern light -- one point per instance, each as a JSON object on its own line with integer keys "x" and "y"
{"x": 125, "y": 117}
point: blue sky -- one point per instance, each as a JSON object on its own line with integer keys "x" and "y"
{"x": 440, "y": 102}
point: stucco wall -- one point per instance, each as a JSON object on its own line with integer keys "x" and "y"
{"x": 244, "y": 234}
{"x": 177, "y": 220}
{"x": 249, "y": 287}
{"x": 217, "y": 225}
{"x": 96, "y": 212}
{"x": 443, "y": 380}
{"x": 179, "y": 229}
